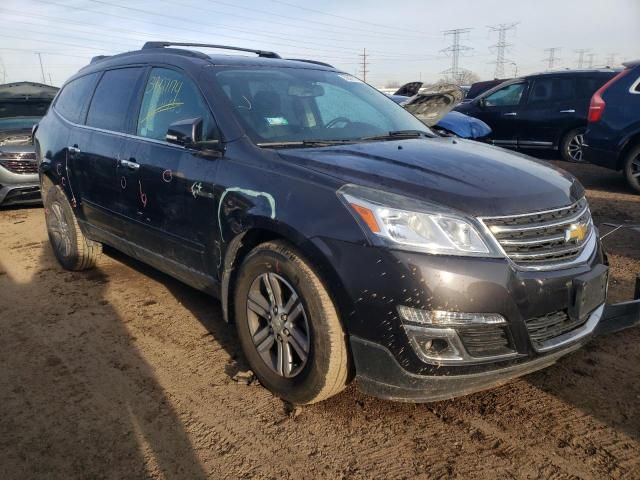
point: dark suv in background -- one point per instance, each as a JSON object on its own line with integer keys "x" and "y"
{"x": 613, "y": 136}
{"x": 341, "y": 235}
{"x": 545, "y": 111}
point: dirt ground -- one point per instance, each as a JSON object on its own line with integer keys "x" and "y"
{"x": 123, "y": 372}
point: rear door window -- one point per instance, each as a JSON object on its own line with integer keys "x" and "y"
{"x": 587, "y": 86}
{"x": 111, "y": 101}
{"x": 169, "y": 97}
{"x": 550, "y": 90}
{"x": 74, "y": 96}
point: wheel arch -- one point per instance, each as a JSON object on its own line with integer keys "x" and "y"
{"x": 631, "y": 142}
{"x": 242, "y": 244}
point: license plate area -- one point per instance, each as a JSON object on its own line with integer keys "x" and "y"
{"x": 588, "y": 292}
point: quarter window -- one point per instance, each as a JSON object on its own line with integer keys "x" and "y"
{"x": 111, "y": 102}
{"x": 508, "y": 96}
{"x": 169, "y": 97}
{"x": 74, "y": 96}
{"x": 547, "y": 90}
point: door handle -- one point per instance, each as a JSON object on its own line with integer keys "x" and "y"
{"x": 130, "y": 164}
{"x": 568, "y": 111}
{"x": 511, "y": 114}
{"x": 73, "y": 149}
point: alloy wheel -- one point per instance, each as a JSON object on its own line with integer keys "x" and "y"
{"x": 635, "y": 168}
{"x": 278, "y": 324}
{"x": 575, "y": 147}
{"x": 59, "y": 230}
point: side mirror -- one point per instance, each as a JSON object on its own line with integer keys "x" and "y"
{"x": 186, "y": 133}
{"x": 482, "y": 102}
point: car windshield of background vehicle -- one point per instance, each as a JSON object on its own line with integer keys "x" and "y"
{"x": 18, "y": 123}
{"x": 506, "y": 97}
{"x": 306, "y": 105}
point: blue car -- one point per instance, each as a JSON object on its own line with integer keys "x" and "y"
{"x": 612, "y": 139}
{"x": 451, "y": 123}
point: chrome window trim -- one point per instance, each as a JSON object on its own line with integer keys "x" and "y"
{"x": 634, "y": 89}
{"x": 121, "y": 134}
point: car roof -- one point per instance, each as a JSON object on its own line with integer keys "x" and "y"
{"x": 573, "y": 72}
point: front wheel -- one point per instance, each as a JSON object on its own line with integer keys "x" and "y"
{"x": 288, "y": 326}
{"x": 632, "y": 168}
{"x": 571, "y": 146}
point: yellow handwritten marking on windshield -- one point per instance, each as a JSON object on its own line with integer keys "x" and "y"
{"x": 161, "y": 108}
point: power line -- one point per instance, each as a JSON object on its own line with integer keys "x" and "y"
{"x": 363, "y": 65}
{"x": 581, "y": 53}
{"x": 552, "y": 58}
{"x": 501, "y": 46}
{"x": 455, "y": 72}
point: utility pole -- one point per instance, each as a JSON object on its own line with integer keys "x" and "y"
{"x": 581, "y": 53}
{"x": 552, "y": 58}
{"x": 41, "y": 67}
{"x": 501, "y": 46}
{"x": 590, "y": 62}
{"x": 363, "y": 64}
{"x": 454, "y": 50}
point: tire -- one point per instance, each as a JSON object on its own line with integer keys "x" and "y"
{"x": 571, "y": 146}
{"x": 73, "y": 250}
{"x": 632, "y": 168}
{"x": 325, "y": 370}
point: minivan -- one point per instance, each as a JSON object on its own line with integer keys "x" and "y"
{"x": 540, "y": 112}
{"x": 343, "y": 238}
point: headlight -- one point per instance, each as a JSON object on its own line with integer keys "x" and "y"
{"x": 413, "y": 225}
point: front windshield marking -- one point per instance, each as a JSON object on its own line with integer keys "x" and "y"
{"x": 284, "y": 105}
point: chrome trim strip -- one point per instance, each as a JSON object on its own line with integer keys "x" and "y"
{"x": 634, "y": 89}
{"x": 545, "y": 254}
{"x": 538, "y": 212}
{"x": 519, "y": 243}
{"x": 120, "y": 134}
{"x": 497, "y": 229}
{"x": 574, "y": 335}
{"x": 452, "y": 336}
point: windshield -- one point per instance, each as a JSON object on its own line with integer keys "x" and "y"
{"x": 297, "y": 105}
{"x": 18, "y": 123}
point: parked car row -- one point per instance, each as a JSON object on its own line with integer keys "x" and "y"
{"x": 342, "y": 236}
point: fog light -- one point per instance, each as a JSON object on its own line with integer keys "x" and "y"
{"x": 447, "y": 319}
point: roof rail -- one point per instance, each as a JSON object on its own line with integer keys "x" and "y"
{"x": 324, "y": 64}
{"x": 97, "y": 58}
{"x": 260, "y": 53}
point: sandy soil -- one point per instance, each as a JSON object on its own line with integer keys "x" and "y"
{"x": 123, "y": 372}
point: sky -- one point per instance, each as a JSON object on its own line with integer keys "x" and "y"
{"x": 404, "y": 41}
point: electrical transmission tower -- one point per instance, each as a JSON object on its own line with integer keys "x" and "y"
{"x": 455, "y": 72}
{"x": 552, "y": 58}
{"x": 611, "y": 59}
{"x": 363, "y": 65}
{"x": 3, "y": 72}
{"x": 590, "y": 62}
{"x": 501, "y": 46}
{"x": 581, "y": 53}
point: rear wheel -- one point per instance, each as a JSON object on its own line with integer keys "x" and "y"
{"x": 632, "y": 168}
{"x": 288, "y": 326}
{"x": 571, "y": 146}
{"x": 72, "y": 249}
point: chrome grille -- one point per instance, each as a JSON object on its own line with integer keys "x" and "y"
{"x": 544, "y": 328}
{"x": 19, "y": 162}
{"x": 543, "y": 238}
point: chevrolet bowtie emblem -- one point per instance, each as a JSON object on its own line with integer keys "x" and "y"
{"x": 576, "y": 233}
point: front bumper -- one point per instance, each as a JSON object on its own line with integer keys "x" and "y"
{"x": 373, "y": 282}
{"x": 19, "y": 189}
{"x": 380, "y": 375}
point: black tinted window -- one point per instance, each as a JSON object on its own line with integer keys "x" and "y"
{"x": 587, "y": 86}
{"x": 546, "y": 90}
{"x": 112, "y": 100}
{"x": 170, "y": 97}
{"x": 74, "y": 97}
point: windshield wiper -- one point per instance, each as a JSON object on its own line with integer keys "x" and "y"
{"x": 398, "y": 135}
{"x": 305, "y": 143}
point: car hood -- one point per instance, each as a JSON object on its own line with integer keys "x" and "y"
{"x": 471, "y": 177}
{"x": 15, "y": 140}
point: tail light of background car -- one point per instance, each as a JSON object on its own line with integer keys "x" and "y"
{"x": 596, "y": 107}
